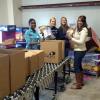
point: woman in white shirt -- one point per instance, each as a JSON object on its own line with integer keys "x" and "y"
{"x": 79, "y": 41}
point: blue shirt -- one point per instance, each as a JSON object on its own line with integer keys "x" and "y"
{"x": 30, "y": 37}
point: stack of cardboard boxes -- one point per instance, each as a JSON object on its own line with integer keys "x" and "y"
{"x": 4, "y": 75}
{"x": 12, "y": 68}
{"x": 16, "y": 65}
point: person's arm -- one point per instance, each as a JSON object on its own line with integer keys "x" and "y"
{"x": 82, "y": 38}
{"x": 27, "y": 37}
{"x": 36, "y": 38}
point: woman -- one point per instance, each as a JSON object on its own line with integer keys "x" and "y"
{"x": 53, "y": 28}
{"x": 62, "y": 34}
{"x": 31, "y": 36}
{"x": 79, "y": 40}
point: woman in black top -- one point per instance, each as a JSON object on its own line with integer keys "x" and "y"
{"x": 62, "y": 34}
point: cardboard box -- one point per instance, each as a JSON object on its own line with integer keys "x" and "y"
{"x": 53, "y": 46}
{"x": 4, "y": 76}
{"x": 17, "y": 68}
{"x": 34, "y": 60}
{"x": 9, "y": 41}
{"x": 92, "y": 59}
{"x": 62, "y": 46}
{"x": 96, "y": 68}
{"x": 95, "y": 56}
{"x": 31, "y": 63}
{"x": 40, "y": 54}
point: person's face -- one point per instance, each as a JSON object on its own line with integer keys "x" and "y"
{"x": 33, "y": 24}
{"x": 53, "y": 22}
{"x": 79, "y": 23}
{"x": 63, "y": 21}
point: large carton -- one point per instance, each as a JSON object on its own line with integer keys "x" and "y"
{"x": 92, "y": 59}
{"x": 9, "y": 42}
{"x": 34, "y": 60}
{"x": 92, "y": 62}
{"x": 7, "y": 34}
{"x": 40, "y": 54}
{"x": 62, "y": 46}
{"x": 4, "y": 75}
{"x": 96, "y": 68}
{"x": 17, "y": 68}
{"x": 54, "y": 50}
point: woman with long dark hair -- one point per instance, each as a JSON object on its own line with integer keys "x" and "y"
{"x": 79, "y": 41}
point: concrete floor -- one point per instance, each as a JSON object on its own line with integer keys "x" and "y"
{"x": 91, "y": 90}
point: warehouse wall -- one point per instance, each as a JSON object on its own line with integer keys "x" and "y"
{"x": 9, "y": 12}
{"x": 17, "y": 12}
{"x": 3, "y": 12}
{"x": 42, "y": 16}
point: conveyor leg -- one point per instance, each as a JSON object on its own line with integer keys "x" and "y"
{"x": 64, "y": 74}
{"x": 36, "y": 94}
{"x": 55, "y": 81}
{"x": 69, "y": 69}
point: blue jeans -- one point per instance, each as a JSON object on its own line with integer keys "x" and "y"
{"x": 78, "y": 56}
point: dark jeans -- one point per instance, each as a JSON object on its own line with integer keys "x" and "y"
{"x": 66, "y": 52}
{"x": 78, "y": 56}
{"x": 67, "y": 48}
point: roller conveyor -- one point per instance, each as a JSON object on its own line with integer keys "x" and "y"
{"x": 39, "y": 81}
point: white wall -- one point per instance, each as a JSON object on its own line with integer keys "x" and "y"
{"x": 6, "y": 12}
{"x": 42, "y": 16}
{"x": 9, "y": 12}
{"x": 17, "y": 12}
{"x": 3, "y": 12}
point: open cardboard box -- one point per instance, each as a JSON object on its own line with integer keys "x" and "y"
{"x": 34, "y": 60}
{"x": 4, "y": 76}
{"x": 17, "y": 69}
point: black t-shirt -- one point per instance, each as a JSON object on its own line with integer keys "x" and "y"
{"x": 54, "y": 30}
{"x": 62, "y": 36}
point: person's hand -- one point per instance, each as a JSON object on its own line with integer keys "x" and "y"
{"x": 70, "y": 33}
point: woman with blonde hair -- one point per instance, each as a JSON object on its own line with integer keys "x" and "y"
{"x": 53, "y": 27}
